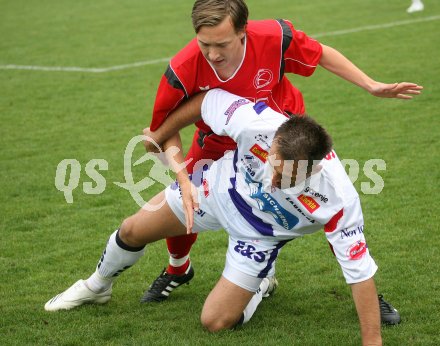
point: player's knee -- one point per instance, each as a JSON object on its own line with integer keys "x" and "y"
{"x": 129, "y": 233}
{"x": 215, "y": 323}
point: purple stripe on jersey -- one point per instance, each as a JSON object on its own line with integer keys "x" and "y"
{"x": 272, "y": 258}
{"x": 245, "y": 209}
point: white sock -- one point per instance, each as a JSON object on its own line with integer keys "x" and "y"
{"x": 116, "y": 258}
{"x": 178, "y": 262}
{"x": 97, "y": 283}
{"x": 256, "y": 299}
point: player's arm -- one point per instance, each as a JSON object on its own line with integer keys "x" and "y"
{"x": 230, "y": 115}
{"x": 186, "y": 114}
{"x": 217, "y": 108}
{"x": 303, "y": 54}
{"x": 345, "y": 233}
{"x": 174, "y": 154}
{"x": 211, "y": 107}
{"x": 367, "y": 306}
{"x": 335, "y": 62}
{"x": 174, "y": 88}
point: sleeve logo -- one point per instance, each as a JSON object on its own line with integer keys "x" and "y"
{"x": 330, "y": 155}
{"x": 308, "y": 202}
{"x": 357, "y": 250}
{"x": 233, "y": 107}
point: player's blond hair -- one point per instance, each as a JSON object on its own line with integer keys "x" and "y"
{"x": 213, "y": 12}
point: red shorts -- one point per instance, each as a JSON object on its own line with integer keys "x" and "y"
{"x": 207, "y": 147}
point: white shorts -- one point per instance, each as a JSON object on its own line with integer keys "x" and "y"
{"x": 249, "y": 252}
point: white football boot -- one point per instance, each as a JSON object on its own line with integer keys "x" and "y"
{"x": 76, "y": 295}
{"x": 271, "y": 287}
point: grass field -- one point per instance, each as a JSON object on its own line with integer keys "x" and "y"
{"x": 48, "y": 115}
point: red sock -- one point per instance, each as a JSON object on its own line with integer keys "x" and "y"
{"x": 180, "y": 247}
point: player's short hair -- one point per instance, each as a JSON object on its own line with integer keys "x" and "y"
{"x": 302, "y": 138}
{"x": 213, "y": 12}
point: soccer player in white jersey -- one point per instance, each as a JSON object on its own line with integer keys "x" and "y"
{"x": 282, "y": 182}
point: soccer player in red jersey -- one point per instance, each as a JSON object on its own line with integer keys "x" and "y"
{"x": 250, "y": 59}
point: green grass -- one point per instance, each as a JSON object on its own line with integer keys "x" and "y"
{"x": 47, "y": 244}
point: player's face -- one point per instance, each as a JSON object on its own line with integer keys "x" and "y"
{"x": 283, "y": 171}
{"x": 222, "y": 46}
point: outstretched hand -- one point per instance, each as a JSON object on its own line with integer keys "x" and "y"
{"x": 404, "y": 90}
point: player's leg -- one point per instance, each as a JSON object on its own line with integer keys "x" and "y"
{"x": 248, "y": 276}
{"x": 179, "y": 269}
{"x": 180, "y": 247}
{"x": 230, "y": 304}
{"x": 224, "y": 306}
{"x": 124, "y": 247}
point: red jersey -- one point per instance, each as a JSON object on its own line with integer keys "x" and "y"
{"x": 272, "y": 48}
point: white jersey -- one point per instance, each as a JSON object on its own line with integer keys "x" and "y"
{"x": 236, "y": 191}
